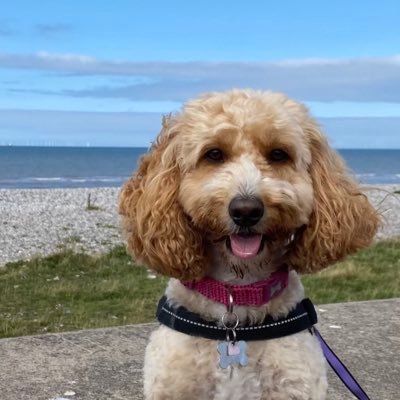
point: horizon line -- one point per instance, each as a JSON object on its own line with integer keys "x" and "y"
{"x": 147, "y": 147}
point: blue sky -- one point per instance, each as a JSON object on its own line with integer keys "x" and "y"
{"x": 103, "y": 73}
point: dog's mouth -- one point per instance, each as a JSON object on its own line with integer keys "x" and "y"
{"x": 245, "y": 245}
{"x": 248, "y": 244}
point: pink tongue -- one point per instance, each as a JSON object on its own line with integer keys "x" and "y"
{"x": 245, "y": 246}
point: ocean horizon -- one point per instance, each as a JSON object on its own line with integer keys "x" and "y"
{"x": 28, "y": 167}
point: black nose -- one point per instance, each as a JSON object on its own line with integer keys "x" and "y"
{"x": 246, "y": 211}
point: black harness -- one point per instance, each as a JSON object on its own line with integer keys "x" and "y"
{"x": 180, "y": 319}
{"x": 301, "y": 318}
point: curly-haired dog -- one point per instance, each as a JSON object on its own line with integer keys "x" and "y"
{"x": 237, "y": 186}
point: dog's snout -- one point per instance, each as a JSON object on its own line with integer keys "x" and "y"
{"x": 246, "y": 211}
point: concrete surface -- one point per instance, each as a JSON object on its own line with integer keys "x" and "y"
{"x": 106, "y": 363}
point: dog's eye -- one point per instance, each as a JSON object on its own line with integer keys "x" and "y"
{"x": 278, "y": 155}
{"x": 214, "y": 155}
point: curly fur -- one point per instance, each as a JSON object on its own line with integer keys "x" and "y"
{"x": 159, "y": 233}
{"x": 342, "y": 221}
{"x": 175, "y": 213}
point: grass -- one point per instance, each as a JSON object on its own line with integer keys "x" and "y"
{"x": 90, "y": 204}
{"x": 69, "y": 291}
{"x": 371, "y": 274}
{"x": 92, "y": 208}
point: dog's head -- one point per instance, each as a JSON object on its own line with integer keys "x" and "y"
{"x": 247, "y": 174}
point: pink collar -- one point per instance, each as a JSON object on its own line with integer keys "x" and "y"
{"x": 255, "y": 294}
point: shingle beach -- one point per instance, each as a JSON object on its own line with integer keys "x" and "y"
{"x": 36, "y": 222}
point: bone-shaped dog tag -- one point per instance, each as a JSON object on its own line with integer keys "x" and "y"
{"x": 231, "y": 353}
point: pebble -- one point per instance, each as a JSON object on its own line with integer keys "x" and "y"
{"x": 37, "y": 222}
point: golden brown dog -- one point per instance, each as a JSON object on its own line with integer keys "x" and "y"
{"x": 235, "y": 185}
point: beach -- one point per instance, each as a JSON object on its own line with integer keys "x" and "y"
{"x": 38, "y": 222}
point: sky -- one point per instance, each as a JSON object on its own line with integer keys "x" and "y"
{"x": 102, "y": 73}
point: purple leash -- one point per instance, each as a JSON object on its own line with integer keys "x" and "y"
{"x": 340, "y": 369}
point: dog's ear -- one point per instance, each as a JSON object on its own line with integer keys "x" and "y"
{"x": 342, "y": 220}
{"x": 159, "y": 234}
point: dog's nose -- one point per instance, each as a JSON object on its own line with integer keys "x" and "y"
{"x": 246, "y": 211}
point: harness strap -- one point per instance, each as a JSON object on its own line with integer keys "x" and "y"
{"x": 340, "y": 369}
{"x": 303, "y": 317}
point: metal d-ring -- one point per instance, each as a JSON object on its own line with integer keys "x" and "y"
{"x": 226, "y": 324}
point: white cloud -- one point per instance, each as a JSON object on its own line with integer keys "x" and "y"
{"x": 53, "y": 28}
{"x": 353, "y": 80}
{"x": 70, "y": 60}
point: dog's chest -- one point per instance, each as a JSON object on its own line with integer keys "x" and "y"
{"x": 192, "y": 365}
{"x": 237, "y": 383}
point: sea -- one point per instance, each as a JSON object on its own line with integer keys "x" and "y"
{"x": 75, "y": 167}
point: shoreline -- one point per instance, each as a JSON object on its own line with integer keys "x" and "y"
{"x": 40, "y": 222}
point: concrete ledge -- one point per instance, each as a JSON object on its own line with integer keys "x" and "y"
{"x": 106, "y": 364}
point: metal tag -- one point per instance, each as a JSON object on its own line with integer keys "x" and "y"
{"x": 231, "y": 353}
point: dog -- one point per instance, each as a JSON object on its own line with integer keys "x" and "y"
{"x": 237, "y": 186}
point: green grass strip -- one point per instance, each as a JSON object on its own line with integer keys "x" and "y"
{"x": 69, "y": 291}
